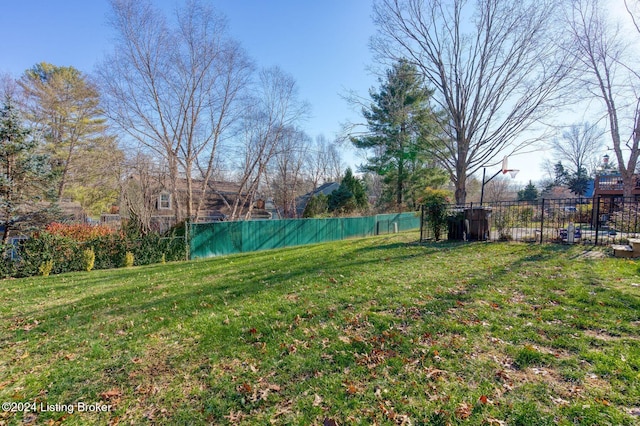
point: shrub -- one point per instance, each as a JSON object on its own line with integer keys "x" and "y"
{"x": 6, "y": 264}
{"x": 128, "y": 259}
{"x": 78, "y": 231}
{"x": 435, "y": 204}
{"x": 45, "y": 268}
{"x": 503, "y": 222}
{"x": 318, "y": 205}
{"x": 89, "y": 259}
{"x": 109, "y": 249}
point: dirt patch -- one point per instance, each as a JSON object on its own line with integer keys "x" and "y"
{"x": 606, "y": 337}
{"x": 592, "y": 254}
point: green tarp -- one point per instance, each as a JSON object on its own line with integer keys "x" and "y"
{"x": 219, "y": 238}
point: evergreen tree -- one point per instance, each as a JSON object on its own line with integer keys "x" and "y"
{"x": 25, "y": 176}
{"x": 529, "y": 193}
{"x": 560, "y": 174}
{"x": 350, "y": 195}
{"x": 401, "y": 126}
{"x": 579, "y": 182}
{"x": 318, "y": 205}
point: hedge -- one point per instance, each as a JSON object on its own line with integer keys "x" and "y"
{"x": 67, "y": 251}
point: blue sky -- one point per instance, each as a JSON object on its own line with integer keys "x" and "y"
{"x": 323, "y": 44}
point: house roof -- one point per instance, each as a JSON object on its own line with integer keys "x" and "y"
{"x": 326, "y": 189}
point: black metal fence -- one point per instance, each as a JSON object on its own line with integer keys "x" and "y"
{"x": 596, "y": 221}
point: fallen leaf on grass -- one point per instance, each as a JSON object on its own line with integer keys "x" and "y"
{"x": 463, "y": 411}
{"x": 434, "y": 373}
{"x": 317, "y": 400}
{"x": 282, "y": 409}
{"x": 495, "y": 422}
{"x": 329, "y": 422}
{"x": 111, "y": 394}
{"x": 485, "y": 401}
{"x": 245, "y": 388}
{"x": 559, "y": 401}
{"x": 235, "y": 416}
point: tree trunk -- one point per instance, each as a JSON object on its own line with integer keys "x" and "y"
{"x": 461, "y": 183}
{"x": 5, "y": 233}
{"x": 399, "y": 185}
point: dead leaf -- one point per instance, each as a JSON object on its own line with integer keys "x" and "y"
{"x": 434, "y": 373}
{"x": 495, "y": 422}
{"x": 245, "y": 388}
{"x": 317, "y": 400}
{"x": 559, "y": 401}
{"x": 235, "y": 417}
{"x": 463, "y": 411}
{"x": 329, "y": 422}
{"x": 111, "y": 394}
{"x": 351, "y": 388}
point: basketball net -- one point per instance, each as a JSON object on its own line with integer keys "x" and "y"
{"x": 506, "y": 169}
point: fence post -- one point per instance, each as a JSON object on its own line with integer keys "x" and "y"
{"x": 542, "y": 223}
{"x": 421, "y": 221}
{"x": 187, "y": 242}
{"x": 596, "y": 213}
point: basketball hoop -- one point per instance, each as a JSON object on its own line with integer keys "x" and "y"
{"x": 505, "y": 169}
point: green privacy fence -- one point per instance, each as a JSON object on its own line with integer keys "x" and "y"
{"x": 219, "y": 238}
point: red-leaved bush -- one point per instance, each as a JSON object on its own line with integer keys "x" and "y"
{"x": 79, "y": 231}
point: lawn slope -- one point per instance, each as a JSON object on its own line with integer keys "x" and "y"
{"x": 379, "y": 330}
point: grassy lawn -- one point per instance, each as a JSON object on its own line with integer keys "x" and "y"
{"x": 380, "y": 330}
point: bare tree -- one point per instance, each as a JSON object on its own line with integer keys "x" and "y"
{"x": 8, "y": 86}
{"x": 286, "y": 180}
{"x": 175, "y": 90}
{"x": 491, "y": 63}
{"x": 608, "y": 65}
{"x": 500, "y": 189}
{"x": 142, "y": 180}
{"x": 272, "y": 114}
{"x": 579, "y": 145}
{"x": 324, "y": 162}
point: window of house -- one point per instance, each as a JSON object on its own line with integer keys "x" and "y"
{"x": 15, "y": 242}
{"x": 164, "y": 203}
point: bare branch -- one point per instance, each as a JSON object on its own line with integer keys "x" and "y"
{"x": 494, "y": 66}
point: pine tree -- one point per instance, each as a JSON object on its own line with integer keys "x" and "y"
{"x": 401, "y": 126}
{"x": 529, "y": 193}
{"x": 25, "y": 176}
{"x": 350, "y": 195}
{"x": 65, "y": 106}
